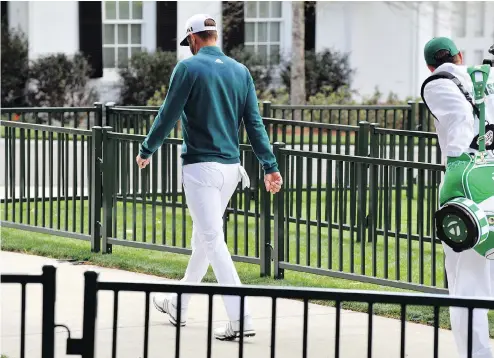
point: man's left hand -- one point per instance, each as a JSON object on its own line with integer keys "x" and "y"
{"x": 142, "y": 163}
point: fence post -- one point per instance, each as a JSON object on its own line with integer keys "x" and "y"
{"x": 374, "y": 141}
{"x": 96, "y": 188}
{"x": 48, "y": 319}
{"x": 363, "y": 139}
{"x": 266, "y": 109}
{"x": 99, "y": 113}
{"x": 279, "y": 216}
{"x": 425, "y": 117}
{"x": 412, "y": 112}
{"x": 362, "y": 172}
{"x": 108, "y": 108}
{"x": 373, "y": 186}
{"x": 266, "y": 246}
{"x": 108, "y": 172}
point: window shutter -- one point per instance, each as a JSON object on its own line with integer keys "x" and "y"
{"x": 166, "y": 25}
{"x": 91, "y": 35}
{"x": 310, "y": 25}
{"x": 233, "y": 24}
{"x": 5, "y": 11}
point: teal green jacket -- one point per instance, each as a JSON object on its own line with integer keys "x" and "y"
{"x": 211, "y": 93}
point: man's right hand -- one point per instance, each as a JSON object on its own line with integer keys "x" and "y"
{"x": 273, "y": 182}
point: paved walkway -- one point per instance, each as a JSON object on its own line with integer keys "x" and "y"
{"x": 386, "y": 333}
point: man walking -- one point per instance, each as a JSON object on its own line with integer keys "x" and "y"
{"x": 211, "y": 93}
{"x": 449, "y": 95}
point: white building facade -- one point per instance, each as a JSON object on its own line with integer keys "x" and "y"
{"x": 384, "y": 40}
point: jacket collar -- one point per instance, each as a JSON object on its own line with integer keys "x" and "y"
{"x": 211, "y": 50}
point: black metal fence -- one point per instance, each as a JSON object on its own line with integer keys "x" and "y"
{"x": 412, "y": 116}
{"x": 47, "y": 179}
{"x": 411, "y": 139}
{"x": 358, "y": 217}
{"x": 334, "y": 342}
{"x": 310, "y": 136}
{"x": 354, "y": 216}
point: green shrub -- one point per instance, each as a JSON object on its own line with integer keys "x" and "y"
{"x": 146, "y": 74}
{"x": 325, "y": 72}
{"x": 346, "y": 98}
{"x": 14, "y": 67}
{"x": 158, "y": 97}
{"x": 276, "y": 96}
{"x": 58, "y": 81}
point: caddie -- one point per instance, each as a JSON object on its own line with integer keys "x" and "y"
{"x": 461, "y": 99}
{"x": 211, "y": 94}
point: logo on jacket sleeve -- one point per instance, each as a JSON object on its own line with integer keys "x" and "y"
{"x": 218, "y": 61}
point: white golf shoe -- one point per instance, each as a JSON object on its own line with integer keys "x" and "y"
{"x": 164, "y": 304}
{"x": 231, "y": 330}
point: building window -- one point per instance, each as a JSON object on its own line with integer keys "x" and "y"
{"x": 263, "y": 21}
{"x": 122, "y": 27}
{"x": 479, "y": 17}
{"x": 460, "y": 12}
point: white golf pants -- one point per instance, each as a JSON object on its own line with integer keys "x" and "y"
{"x": 208, "y": 189}
{"x": 469, "y": 274}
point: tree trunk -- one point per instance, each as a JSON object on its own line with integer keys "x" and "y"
{"x": 297, "y": 73}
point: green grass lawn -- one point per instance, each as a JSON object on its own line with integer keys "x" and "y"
{"x": 141, "y": 223}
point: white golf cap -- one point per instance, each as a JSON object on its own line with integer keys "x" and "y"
{"x": 196, "y": 24}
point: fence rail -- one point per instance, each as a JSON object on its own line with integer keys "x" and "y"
{"x": 72, "y": 117}
{"x": 358, "y": 217}
{"x": 334, "y": 341}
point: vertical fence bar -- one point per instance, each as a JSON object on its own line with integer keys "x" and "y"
{"x": 48, "y": 316}
{"x": 23, "y": 319}
{"x": 6, "y": 174}
{"x": 398, "y": 220}
{"x": 265, "y": 218}
{"x": 279, "y": 216}
{"x": 74, "y": 181}
{"x": 12, "y": 169}
{"x": 298, "y": 205}
{"x": 83, "y": 164}
{"x": 22, "y": 175}
{"x": 43, "y": 179}
{"x": 28, "y": 186}
{"x": 89, "y": 318}
{"x": 66, "y": 180}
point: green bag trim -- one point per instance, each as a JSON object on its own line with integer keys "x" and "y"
{"x": 479, "y": 75}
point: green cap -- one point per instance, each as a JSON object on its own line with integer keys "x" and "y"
{"x": 437, "y": 44}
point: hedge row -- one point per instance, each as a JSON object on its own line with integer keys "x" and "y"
{"x": 58, "y": 80}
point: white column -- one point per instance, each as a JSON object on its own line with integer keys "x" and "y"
{"x": 286, "y": 29}
{"x": 149, "y": 26}
{"x": 53, "y": 27}
{"x": 18, "y": 13}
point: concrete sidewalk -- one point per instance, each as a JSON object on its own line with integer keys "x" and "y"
{"x": 130, "y": 338}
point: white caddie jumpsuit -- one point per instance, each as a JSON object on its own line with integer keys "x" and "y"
{"x": 468, "y": 273}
